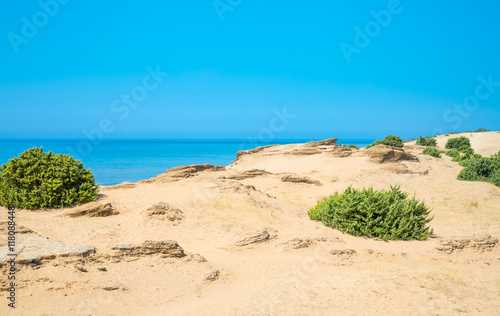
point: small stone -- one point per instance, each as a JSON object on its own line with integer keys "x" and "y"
{"x": 81, "y": 268}
{"x": 111, "y": 288}
{"x": 102, "y": 269}
{"x": 212, "y": 275}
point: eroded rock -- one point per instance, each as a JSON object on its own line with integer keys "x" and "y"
{"x": 343, "y": 252}
{"x": 326, "y": 142}
{"x": 212, "y": 275}
{"x": 259, "y": 237}
{"x": 182, "y": 172}
{"x": 477, "y": 242}
{"x": 299, "y": 179}
{"x": 252, "y": 173}
{"x": 35, "y": 249}
{"x": 384, "y": 153}
{"x": 165, "y": 248}
{"x": 164, "y": 211}
{"x": 93, "y": 209}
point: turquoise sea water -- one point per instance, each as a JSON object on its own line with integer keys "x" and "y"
{"x": 118, "y": 161}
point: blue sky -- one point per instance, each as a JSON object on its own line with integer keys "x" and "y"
{"x": 417, "y": 67}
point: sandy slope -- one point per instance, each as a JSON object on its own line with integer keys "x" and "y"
{"x": 292, "y": 273}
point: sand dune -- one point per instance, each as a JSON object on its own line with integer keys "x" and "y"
{"x": 236, "y": 240}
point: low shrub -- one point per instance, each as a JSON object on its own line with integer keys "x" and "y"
{"x": 432, "y": 151}
{"x": 453, "y": 153}
{"x": 461, "y": 143}
{"x": 479, "y": 168}
{"x": 390, "y": 140}
{"x": 385, "y": 214}
{"x": 353, "y": 146}
{"x": 37, "y": 180}
{"x": 426, "y": 141}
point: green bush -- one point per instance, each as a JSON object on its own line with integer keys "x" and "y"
{"x": 446, "y": 134}
{"x": 390, "y": 140}
{"x": 432, "y": 151}
{"x": 479, "y": 168}
{"x": 495, "y": 178}
{"x": 453, "y": 153}
{"x": 381, "y": 214}
{"x": 37, "y": 180}
{"x": 353, "y": 146}
{"x": 426, "y": 141}
{"x": 461, "y": 143}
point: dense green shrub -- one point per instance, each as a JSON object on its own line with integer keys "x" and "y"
{"x": 432, "y": 151}
{"x": 479, "y": 168}
{"x": 461, "y": 143}
{"x": 426, "y": 141}
{"x": 381, "y": 214}
{"x": 453, "y": 153}
{"x": 495, "y": 178}
{"x": 37, "y": 179}
{"x": 390, "y": 140}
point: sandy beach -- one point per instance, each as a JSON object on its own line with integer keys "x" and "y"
{"x": 237, "y": 240}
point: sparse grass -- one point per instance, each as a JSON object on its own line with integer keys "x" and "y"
{"x": 461, "y": 309}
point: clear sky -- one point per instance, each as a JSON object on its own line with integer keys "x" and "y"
{"x": 244, "y": 68}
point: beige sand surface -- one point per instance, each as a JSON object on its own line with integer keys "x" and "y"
{"x": 303, "y": 268}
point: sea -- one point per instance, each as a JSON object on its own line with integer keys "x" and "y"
{"x": 117, "y": 161}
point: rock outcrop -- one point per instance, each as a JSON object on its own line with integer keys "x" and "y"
{"x": 164, "y": 211}
{"x": 259, "y": 237}
{"x": 34, "y": 249}
{"x": 93, "y": 209}
{"x": 298, "y": 179}
{"x": 165, "y": 248}
{"x": 252, "y": 173}
{"x": 183, "y": 172}
{"x": 384, "y": 153}
{"x": 326, "y": 142}
{"x": 477, "y": 242}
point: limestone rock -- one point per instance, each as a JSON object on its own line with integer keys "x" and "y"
{"x": 252, "y": 173}
{"x": 326, "y": 142}
{"x": 343, "y": 252}
{"x": 182, "y": 172}
{"x": 259, "y": 237}
{"x": 241, "y": 153}
{"x": 93, "y": 209}
{"x": 384, "y": 153}
{"x": 477, "y": 242}
{"x": 165, "y": 248}
{"x": 299, "y": 179}
{"x": 164, "y": 211}
{"x": 304, "y": 152}
{"x": 212, "y": 275}
{"x": 34, "y": 249}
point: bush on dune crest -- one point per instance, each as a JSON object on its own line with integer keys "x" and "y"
{"x": 390, "y": 140}
{"x": 37, "y": 180}
{"x": 426, "y": 141}
{"x": 386, "y": 215}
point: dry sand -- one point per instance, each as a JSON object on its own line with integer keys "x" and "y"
{"x": 296, "y": 267}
